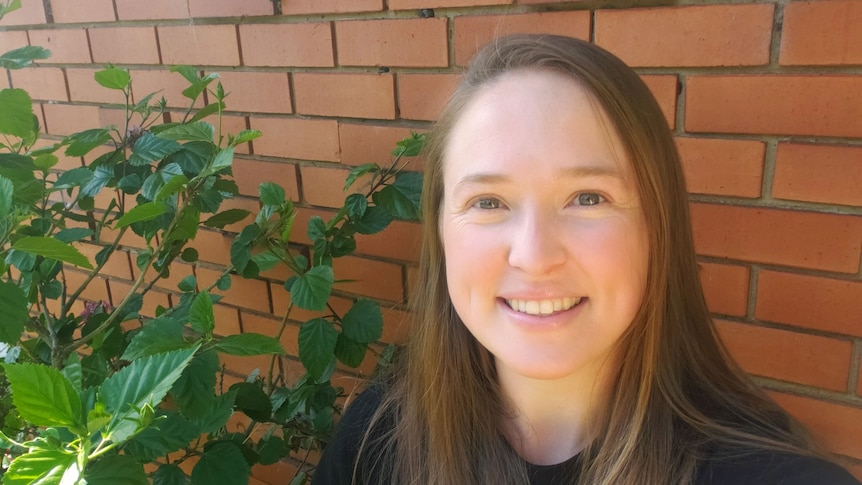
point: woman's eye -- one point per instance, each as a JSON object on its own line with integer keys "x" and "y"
{"x": 488, "y": 203}
{"x": 589, "y": 198}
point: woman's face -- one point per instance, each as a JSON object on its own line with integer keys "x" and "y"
{"x": 542, "y": 228}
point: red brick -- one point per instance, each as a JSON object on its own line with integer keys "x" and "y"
{"x": 65, "y": 119}
{"x": 788, "y": 356}
{"x": 96, "y": 290}
{"x": 72, "y": 11}
{"x": 827, "y": 105}
{"x": 472, "y": 32}
{"x": 226, "y": 320}
{"x": 821, "y": 33}
{"x": 663, "y": 88}
{"x": 165, "y": 84}
{"x": 711, "y": 35}
{"x": 243, "y": 293}
{"x": 278, "y": 45}
{"x": 83, "y": 87}
{"x": 409, "y": 4}
{"x": 826, "y": 304}
{"x": 363, "y": 143}
{"x": 725, "y": 287}
{"x": 297, "y": 138}
{"x": 152, "y": 9}
{"x": 721, "y": 166}
{"x": 199, "y": 45}
{"x": 530, "y": 2}
{"x": 274, "y": 474}
{"x": 213, "y": 246}
{"x": 396, "y": 325}
{"x": 12, "y": 40}
{"x": 393, "y": 42}
{"x": 229, "y": 8}
{"x": 32, "y": 12}
{"x": 43, "y": 83}
{"x": 374, "y": 279}
{"x": 323, "y": 186}
{"x": 302, "y": 7}
{"x": 818, "y": 173}
{"x": 836, "y": 426}
{"x": 257, "y": 92}
{"x": 124, "y": 45}
{"x": 249, "y": 174}
{"x": 176, "y": 273}
{"x": 66, "y": 45}
{"x": 422, "y": 96}
{"x": 401, "y": 240}
{"x": 804, "y": 239}
{"x": 118, "y": 264}
{"x": 345, "y": 94}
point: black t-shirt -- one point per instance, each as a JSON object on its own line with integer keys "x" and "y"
{"x": 757, "y": 468}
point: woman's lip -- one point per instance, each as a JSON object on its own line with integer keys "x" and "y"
{"x": 553, "y": 319}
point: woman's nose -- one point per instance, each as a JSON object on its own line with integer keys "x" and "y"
{"x": 536, "y": 243}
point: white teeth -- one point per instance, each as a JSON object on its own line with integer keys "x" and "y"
{"x": 543, "y": 307}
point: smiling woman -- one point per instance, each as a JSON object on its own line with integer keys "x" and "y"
{"x": 562, "y": 334}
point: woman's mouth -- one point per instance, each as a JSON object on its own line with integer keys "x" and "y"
{"x": 543, "y": 307}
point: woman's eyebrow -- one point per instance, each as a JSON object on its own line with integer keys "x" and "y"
{"x": 481, "y": 178}
{"x": 591, "y": 171}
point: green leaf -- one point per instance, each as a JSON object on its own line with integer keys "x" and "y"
{"x": 6, "y": 188}
{"x": 410, "y": 146}
{"x": 189, "y": 255}
{"x": 73, "y": 234}
{"x": 44, "y": 396}
{"x": 245, "y": 344}
{"x": 224, "y": 282}
{"x": 72, "y": 371}
{"x": 143, "y": 212}
{"x": 113, "y": 78}
{"x": 170, "y": 475}
{"x": 197, "y": 131}
{"x": 150, "y": 148}
{"x": 402, "y": 198}
{"x": 172, "y": 186}
{"x": 359, "y": 171}
{"x": 251, "y": 400}
{"x": 215, "y": 413}
{"x": 115, "y": 469}
{"x": 222, "y": 463}
{"x": 13, "y": 5}
{"x": 271, "y": 450}
{"x": 373, "y": 221}
{"x": 159, "y": 335}
{"x": 101, "y": 177}
{"x": 271, "y": 194}
{"x": 168, "y": 434}
{"x": 145, "y": 381}
{"x": 45, "y": 161}
{"x": 73, "y": 178}
{"x": 311, "y": 290}
{"x": 196, "y": 384}
{"x": 317, "y": 340}
{"x": 17, "y": 109}
{"x": 23, "y": 57}
{"x": 188, "y": 72}
{"x": 300, "y": 479}
{"x": 198, "y": 86}
{"x": 41, "y": 467}
{"x": 187, "y": 225}
{"x": 223, "y": 159}
{"x": 226, "y": 218}
{"x": 201, "y": 317}
{"x": 363, "y": 323}
{"x": 13, "y": 301}
{"x": 84, "y": 142}
{"x": 246, "y": 136}
{"x": 53, "y": 249}
{"x": 349, "y": 351}
{"x": 207, "y": 110}
{"x": 356, "y": 205}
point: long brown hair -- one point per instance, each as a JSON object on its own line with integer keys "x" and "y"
{"x": 675, "y": 398}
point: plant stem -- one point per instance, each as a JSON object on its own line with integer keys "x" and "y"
{"x": 269, "y": 381}
{"x": 68, "y": 304}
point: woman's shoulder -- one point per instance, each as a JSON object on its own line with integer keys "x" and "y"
{"x": 772, "y": 468}
{"x": 337, "y": 463}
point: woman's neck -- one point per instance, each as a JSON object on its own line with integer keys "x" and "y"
{"x": 551, "y": 420}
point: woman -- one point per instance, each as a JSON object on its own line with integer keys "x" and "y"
{"x": 562, "y": 335}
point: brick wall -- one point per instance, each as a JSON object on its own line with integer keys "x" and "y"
{"x": 764, "y": 98}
